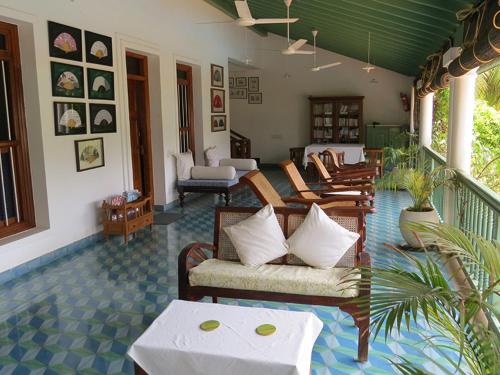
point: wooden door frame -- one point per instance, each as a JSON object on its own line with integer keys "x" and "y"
{"x": 189, "y": 70}
{"x": 144, "y": 78}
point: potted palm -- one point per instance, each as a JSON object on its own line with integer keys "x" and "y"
{"x": 420, "y": 184}
{"x": 464, "y": 339}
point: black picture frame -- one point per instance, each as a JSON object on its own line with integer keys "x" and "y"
{"x": 65, "y": 42}
{"x": 240, "y": 82}
{"x": 98, "y": 49}
{"x": 88, "y": 151}
{"x": 102, "y": 118}
{"x": 70, "y": 118}
{"x": 100, "y": 84}
{"x": 219, "y": 123}
{"x": 218, "y": 100}
{"x": 217, "y": 75}
{"x": 67, "y": 80}
{"x": 253, "y": 84}
{"x": 255, "y": 98}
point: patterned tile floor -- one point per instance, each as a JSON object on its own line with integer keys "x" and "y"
{"x": 80, "y": 313}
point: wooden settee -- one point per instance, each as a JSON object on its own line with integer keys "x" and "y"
{"x": 223, "y": 253}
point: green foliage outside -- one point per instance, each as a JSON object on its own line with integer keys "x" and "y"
{"x": 486, "y": 144}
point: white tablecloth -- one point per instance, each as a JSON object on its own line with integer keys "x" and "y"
{"x": 353, "y": 152}
{"x": 174, "y": 343}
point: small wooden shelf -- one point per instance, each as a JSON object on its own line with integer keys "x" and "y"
{"x": 127, "y": 218}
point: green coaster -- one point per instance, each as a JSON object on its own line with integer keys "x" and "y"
{"x": 209, "y": 325}
{"x": 265, "y": 329}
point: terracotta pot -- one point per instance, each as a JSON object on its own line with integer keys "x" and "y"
{"x": 420, "y": 217}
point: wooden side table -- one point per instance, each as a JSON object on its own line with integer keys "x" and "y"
{"x": 127, "y": 218}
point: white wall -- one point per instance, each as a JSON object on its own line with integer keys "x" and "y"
{"x": 282, "y": 121}
{"x": 164, "y": 28}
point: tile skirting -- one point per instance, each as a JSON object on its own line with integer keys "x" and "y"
{"x": 49, "y": 257}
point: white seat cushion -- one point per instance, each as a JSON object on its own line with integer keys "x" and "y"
{"x": 301, "y": 280}
{"x": 240, "y": 164}
{"x": 213, "y": 173}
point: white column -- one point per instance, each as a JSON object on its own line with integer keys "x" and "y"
{"x": 412, "y": 110}
{"x": 425, "y": 122}
{"x": 461, "y": 121}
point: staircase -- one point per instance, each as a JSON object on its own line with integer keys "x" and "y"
{"x": 241, "y": 146}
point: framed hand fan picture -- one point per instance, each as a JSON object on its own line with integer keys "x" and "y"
{"x": 65, "y": 42}
{"x": 102, "y": 118}
{"x": 69, "y": 118}
{"x": 98, "y": 49}
{"x": 101, "y": 84}
{"x": 67, "y": 80}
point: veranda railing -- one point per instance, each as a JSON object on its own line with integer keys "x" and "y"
{"x": 475, "y": 210}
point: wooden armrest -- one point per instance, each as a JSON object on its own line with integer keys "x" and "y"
{"x": 193, "y": 254}
{"x": 364, "y": 259}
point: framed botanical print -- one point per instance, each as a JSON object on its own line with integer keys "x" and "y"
{"x": 69, "y": 118}
{"x": 255, "y": 98}
{"x": 65, "y": 42}
{"x": 89, "y": 154}
{"x": 231, "y": 82}
{"x": 253, "y": 84}
{"x": 241, "y": 82}
{"x": 238, "y": 93}
{"x": 98, "y": 49}
{"x": 102, "y": 118}
{"x": 218, "y": 123}
{"x": 217, "y": 73}
{"x": 218, "y": 100}
{"x": 67, "y": 80}
{"x": 101, "y": 84}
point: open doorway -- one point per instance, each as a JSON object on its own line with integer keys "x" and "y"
{"x": 139, "y": 121}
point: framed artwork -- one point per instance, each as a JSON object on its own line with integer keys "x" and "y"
{"x": 69, "y": 118}
{"x": 218, "y": 123}
{"x": 89, "y": 154}
{"x": 231, "y": 82}
{"x": 98, "y": 49}
{"x": 241, "y": 82}
{"x": 65, "y": 42}
{"x": 217, "y": 100}
{"x": 217, "y": 73}
{"x": 67, "y": 80}
{"x": 255, "y": 98}
{"x": 253, "y": 84}
{"x": 101, "y": 84}
{"x": 102, "y": 118}
{"x": 238, "y": 93}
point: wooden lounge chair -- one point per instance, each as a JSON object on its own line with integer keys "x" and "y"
{"x": 375, "y": 158}
{"x": 364, "y": 186}
{"x": 362, "y": 202}
{"x": 347, "y": 172}
{"x": 266, "y": 193}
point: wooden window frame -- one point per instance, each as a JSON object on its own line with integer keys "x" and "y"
{"x": 19, "y": 145}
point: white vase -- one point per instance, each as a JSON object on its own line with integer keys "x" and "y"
{"x": 419, "y": 217}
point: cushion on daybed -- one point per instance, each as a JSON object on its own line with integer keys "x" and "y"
{"x": 208, "y": 183}
{"x": 274, "y": 278}
{"x": 184, "y": 163}
{"x": 213, "y": 173}
{"x": 240, "y": 164}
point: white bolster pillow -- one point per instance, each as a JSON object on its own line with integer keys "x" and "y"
{"x": 240, "y": 164}
{"x": 213, "y": 173}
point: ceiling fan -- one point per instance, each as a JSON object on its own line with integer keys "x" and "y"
{"x": 293, "y": 48}
{"x": 369, "y": 67}
{"x": 317, "y": 68}
{"x": 245, "y": 18}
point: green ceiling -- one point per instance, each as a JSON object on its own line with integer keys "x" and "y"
{"x": 404, "y": 32}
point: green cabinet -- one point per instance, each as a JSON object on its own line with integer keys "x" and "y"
{"x": 379, "y": 136}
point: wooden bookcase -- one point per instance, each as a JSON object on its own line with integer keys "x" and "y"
{"x": 337, "y": 119}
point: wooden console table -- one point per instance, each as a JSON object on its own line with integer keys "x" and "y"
{"x": 127, "y": 218}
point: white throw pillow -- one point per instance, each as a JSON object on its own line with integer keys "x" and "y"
{"x": 258, "y": 239}
{"x": 184, "y": 164}
{"x": 211, "y": 159}
{"x": 319, "y": 241}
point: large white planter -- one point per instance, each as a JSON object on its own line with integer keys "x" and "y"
{"x": 425, "y": 216}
